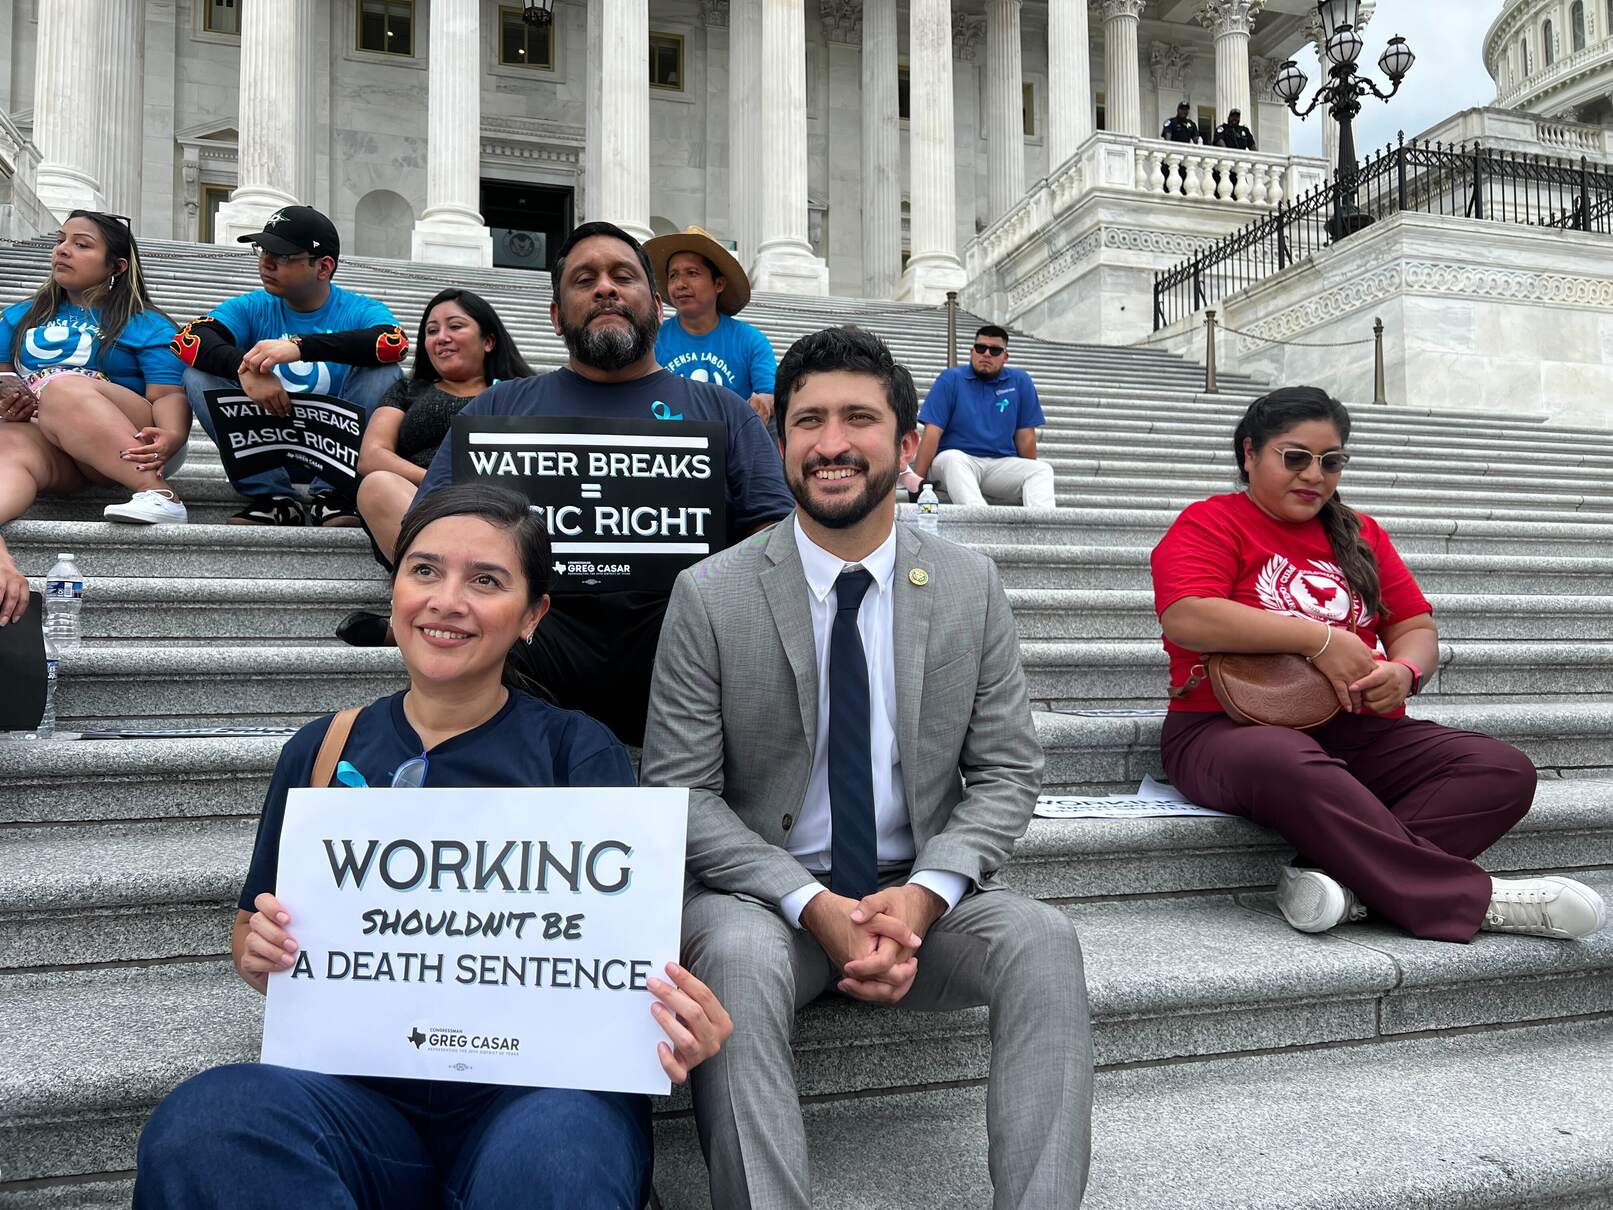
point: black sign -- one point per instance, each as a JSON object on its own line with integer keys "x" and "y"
{"x": 22, "y": 669}
{"x": 628, "y": 503}
{"x": 322, "y": 432}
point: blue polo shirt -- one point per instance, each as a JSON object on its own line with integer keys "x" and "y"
{"x": 527, "y": 743}
{"x": 734, "y": 354}
{"x": 980, "y": 416}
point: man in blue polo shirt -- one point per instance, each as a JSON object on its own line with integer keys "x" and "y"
{"x": 703, "y": 341}
{"x": 980, "y": 424}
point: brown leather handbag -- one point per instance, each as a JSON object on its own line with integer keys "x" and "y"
{"x": 1272, "y": 690}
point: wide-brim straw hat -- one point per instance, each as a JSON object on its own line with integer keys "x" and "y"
{"x": 736, "y": 288}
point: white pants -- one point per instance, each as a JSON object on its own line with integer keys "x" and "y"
{"x": 970, "y": 480}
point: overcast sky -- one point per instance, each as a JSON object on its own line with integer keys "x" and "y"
{"x": 1447, "y": 37}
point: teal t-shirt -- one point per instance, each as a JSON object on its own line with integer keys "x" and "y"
{"x": 71, "y": 338}
{"x": 734, "y": 354}
{"x": 262, "y": 316}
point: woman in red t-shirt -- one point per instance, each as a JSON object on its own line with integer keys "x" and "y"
{"x": 1387, "y": 812}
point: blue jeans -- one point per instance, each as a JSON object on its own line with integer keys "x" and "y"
{"x": 364, "y": 386}
{"x": 250, "y": 1136}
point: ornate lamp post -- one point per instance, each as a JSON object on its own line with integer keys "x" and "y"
{"x": 1343, "y": 98}
{"x": 538, "y": 13}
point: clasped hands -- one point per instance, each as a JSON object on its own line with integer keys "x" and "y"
{"x": 257, "y": 375}
{"x": 1359, "y": 678}
{"x": 874, "y": 941}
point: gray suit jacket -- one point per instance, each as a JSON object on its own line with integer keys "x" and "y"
{"x": 733, "y": 712}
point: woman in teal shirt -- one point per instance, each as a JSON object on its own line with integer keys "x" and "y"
{"x": 99, "y": 399}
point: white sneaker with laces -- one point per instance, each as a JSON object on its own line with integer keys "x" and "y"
{"x": 1314, "y": 902}
{"x": 1553, "y": 906}
{"x": 151, "y": 507}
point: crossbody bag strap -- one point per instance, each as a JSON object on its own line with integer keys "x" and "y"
{"x": 1195, "y": 678}
{"x": 330, "y": 751}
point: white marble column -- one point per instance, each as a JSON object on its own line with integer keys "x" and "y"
{"x": 274, "y": 122}
{"x": 619, "y": 60}
{"x": 784, "y": 257}
{"x": 451, "y": 231}
{"x": 934, "y": 267}
{"x": 1123, "y": 87}
{"x": 67, "y": 100}
{"x": 1005, "y": 107}
{"x": 1069, "y": 90}
{"x": 1330, "y": 128}
{"x": 120, "y": 141}
{"x": 744, "y": 123}
{"x": 881, "y": 152}
{"x": 1231, "y": 22}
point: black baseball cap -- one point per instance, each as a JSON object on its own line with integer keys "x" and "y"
{"x": 293, "y": 229}
{"x": 1183, "y": 105}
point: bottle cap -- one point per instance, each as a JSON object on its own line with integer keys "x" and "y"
{"x": 67, "y": 555}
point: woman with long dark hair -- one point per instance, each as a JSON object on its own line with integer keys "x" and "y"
{"x": 1388, "y": 813}
{"x": 99, "y": 399}
{"x": 462, "y": 349}
{"x": 472, "y": 568}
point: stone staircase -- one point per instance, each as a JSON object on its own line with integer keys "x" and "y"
{"x": 1241, "y": 1064}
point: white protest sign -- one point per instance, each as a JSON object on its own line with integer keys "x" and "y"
{"x": 1153, "y": 798}
{"x": 500, "y": 936}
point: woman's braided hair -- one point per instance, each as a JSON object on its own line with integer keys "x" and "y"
{"x": 1276, "y": 413}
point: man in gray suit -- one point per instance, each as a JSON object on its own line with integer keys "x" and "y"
{"x": 845, "y": 698}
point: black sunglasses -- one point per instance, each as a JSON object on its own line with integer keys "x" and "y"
{"x": 986, "y": 350}
{"x": 1296, "y": 461}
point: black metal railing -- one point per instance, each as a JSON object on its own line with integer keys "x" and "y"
{"x": 1460, "y": 181}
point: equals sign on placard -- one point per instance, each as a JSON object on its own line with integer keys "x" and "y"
{"x": 592, "y": 491}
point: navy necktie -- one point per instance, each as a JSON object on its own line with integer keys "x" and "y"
{"x": 853, "y": 847}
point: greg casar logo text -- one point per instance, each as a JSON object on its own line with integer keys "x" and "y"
{"x": 458, "y": 1041}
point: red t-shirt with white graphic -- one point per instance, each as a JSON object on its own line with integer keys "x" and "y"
{"x": 1226, "y": 547}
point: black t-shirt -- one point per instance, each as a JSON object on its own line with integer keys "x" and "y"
{"x": 755, "y": 492}
{"x": 428, "y": 417}
{"x": 527, "y": 743}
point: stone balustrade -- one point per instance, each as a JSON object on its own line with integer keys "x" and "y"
{"x": 1581, "y": 62}
{"x": 1172, "y": 174}
{"x": 18, "y": 156}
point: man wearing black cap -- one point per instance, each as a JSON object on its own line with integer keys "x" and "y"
{"x": 1234, "y": 134}
{"x": 1180, "y": 129}
{"x": 299, "y": 334}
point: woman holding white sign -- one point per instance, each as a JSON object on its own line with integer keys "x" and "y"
{"x": 472, "y": 568}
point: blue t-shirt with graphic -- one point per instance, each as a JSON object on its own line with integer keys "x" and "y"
{"x": 262, "y": 316}
{"x": 980, "y": 416}
{"x": 755, "y": 493}
{"x": 138, "y": 359}
{"x": 734, "y": 354}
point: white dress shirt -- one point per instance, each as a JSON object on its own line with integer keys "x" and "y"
{"x": 810, "y": 840}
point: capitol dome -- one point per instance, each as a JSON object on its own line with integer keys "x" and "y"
{"x": 1554, "y": 58}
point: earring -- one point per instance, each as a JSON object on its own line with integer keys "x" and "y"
{"x": 529, "y": 638}
{"x": 111, "y": 282}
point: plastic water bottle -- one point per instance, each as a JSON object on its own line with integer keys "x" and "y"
{"x": 929, "y": 511}
{"x": 64, "y": 596}
{"x": 47, "y": 724}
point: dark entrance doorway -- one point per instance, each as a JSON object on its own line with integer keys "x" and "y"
{"x": 528, "y": 222}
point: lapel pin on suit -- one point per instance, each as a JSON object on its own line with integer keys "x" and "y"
{"x": 918, "y": 577}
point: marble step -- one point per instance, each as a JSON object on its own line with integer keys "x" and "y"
{"x": 1351, "y": 1128}
{"x": 1095, "y": 750}
{"x": 266, "y": 684}
{"x": 1167, "y": 979}
{"x": 1090, "y": 567}
{"x": 1051, "y": 613}
{"x": 165, "y": 888}
{"x": 120, "y": 610}
{"x": 1072, "y": 674}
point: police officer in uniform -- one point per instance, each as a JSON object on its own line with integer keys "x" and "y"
{"x": 1180, "y": 129}
{"x": 1234, "y": 134}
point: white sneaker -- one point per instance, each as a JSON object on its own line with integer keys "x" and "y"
{"x": 153, "y": 507}
{"x": 1314, "y": 902}
{"x": 1544, "y": 907}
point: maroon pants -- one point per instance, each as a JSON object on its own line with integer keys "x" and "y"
{"x": 1395, "y": 809}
